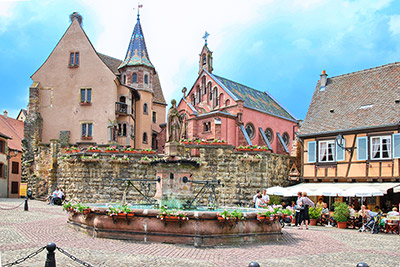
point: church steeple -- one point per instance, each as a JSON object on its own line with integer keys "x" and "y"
{"x": 137, "y": 52}
{"x": 205, "y": 56}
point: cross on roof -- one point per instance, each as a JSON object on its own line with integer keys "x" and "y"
{"x": 206, "y": 34}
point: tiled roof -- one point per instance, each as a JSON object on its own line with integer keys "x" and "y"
{"x": 137, "y": 51}
{"x": 112, "y": 63}
{"x": 360, "y": 99}
{"x": 14, "y": 129}
{"x": 158, "y": 93}
{"x": 255, "y": 99}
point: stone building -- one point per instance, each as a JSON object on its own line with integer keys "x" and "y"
{"x": 218, "y": 108}
{"x": 82, "y": 97}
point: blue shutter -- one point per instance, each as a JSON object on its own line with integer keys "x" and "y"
{"x": 312, "y": 151}
{"x": 396, "y": 146}
{"x": 362, "y": 148}
{"x": 340, "y": 151}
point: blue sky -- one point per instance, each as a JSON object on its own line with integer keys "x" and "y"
{"x": 279, "y": 46}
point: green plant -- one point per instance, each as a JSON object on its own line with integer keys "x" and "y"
{"x": 315, "y": 213}
{"x": 114, "y": 210}
{"x": 341, "y": 213}
{"x": 111, "y": 148}
{"x": 238, "y": 215}
{"x": 165, "y": 212}
{"x": 275, "y": 200}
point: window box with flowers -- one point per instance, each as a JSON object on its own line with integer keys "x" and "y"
{"x": 76, "y": 208}
{"x": 230, "y": 216}
{"x": 72, "y": 149}
{"x": 173, "y": 215}
{"x": 128, "y": 150}
{"x": 115, "y": 159}
{"x": 145, "y": 160}
{"x": 244, "y": 148}
{"x": 94, "y": 149}
{"x": 93, "y": 158}
{"x": 219, "y": 142}
{"x": 147, "y": 151}
{"x": 120, "y": 212}
{"x": 112, "y": 149}
{"x": 86, "y": 137}
{"x": 267, "y": 215}
{"x": 201, "y": 142}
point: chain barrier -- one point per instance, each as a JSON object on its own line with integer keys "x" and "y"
{"x": 25, "y": 258}
{"x": 13, "y": 207}
{"x": 74, "y": 258}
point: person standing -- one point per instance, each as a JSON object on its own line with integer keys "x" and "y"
{"x": 255, "y": 198}
{"x": 265, "y": 197}
{"x": 297, "y": 209}
{"x": 305, "y": 216}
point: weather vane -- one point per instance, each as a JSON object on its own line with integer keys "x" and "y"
{"x": 138, "y": 8}
{"x": 206, "y": 36}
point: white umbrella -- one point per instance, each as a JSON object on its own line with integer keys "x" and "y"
{"x": 362, "y": 191}
{"x": 330, "y": 191}
{"x": 276, "y": 190}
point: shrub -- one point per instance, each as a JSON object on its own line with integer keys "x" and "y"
{"x": 341, "y": 213}
{"x": 315, "y": 213}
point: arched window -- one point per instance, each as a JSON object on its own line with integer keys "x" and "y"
{"x": 124, "y": 79}
{"x": 198, "y": 94}
{"x": 204, "y": 59}
{"x": 215, "y": 97}
{"x": 208, "y": 88}
{"x": 193, "y": 100}
{"x": 250, "y": 130}
{"x": 227, "y": 102}
{"x": 145, "y": 108}
{"x": 203, "y": 84}
{"x": 144, "y": 138}
{"x": 286, "y": 138}
{"x": 270, "y": 135}
{"x": 221, "y": 99}
{"x": 134, "y": 78}
{"x": 122, "y": 99}
{"x": 146, "y": 79}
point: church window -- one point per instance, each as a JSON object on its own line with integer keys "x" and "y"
{"x": 198, "y": 94}
{"x": 134, "y": 78}
{"x": 87, "y": 130}
{"x": 227, "y": 102}
{"x": 204, "y": 59}
{"x": 208, "y": 88}
{"x": 269, "y": 134}
{"x": 193, "y": 100}
{"x": 86, "y": 95}
{"x": 145, "y": 108}
{"x": 207, "y": 126}
{"x": 221, "y": 99}
{"x": 203, "y": 84}
{"x": 286, "y": 138}
{"x": 144, "y": 138}
{"x": 74, "y": 59}
{"x": 146, "y": 79}
{"x": 250, "y": 130}
{"x": 154, "y": 117}
{"x": 215, "y": 97}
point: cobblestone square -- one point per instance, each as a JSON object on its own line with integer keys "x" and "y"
{"x": 23, "y": 232}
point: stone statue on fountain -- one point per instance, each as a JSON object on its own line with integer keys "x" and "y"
{"x": 175, "y": 122}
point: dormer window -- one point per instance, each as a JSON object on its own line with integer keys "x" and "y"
{"x": 74, "y": 59}
{"x": 134, "y": 78}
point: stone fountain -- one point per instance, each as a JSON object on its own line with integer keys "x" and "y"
{"x": 174, "y": 182}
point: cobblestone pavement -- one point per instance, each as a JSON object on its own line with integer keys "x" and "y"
{"x": 23, "y": 232}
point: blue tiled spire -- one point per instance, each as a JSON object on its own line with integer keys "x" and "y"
{"x": 137, "y": 51}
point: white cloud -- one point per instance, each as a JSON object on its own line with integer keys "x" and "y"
{"x": 394, "y": 24}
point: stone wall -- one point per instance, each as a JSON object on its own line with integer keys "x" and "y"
{"x": 97, "y": 181}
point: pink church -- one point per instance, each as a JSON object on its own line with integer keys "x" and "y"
{"x": 218, "y": 108}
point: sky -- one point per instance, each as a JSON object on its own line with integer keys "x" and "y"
{"x": 279, "y": 46}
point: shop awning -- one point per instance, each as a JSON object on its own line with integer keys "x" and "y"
{"x": 320, "y": 189}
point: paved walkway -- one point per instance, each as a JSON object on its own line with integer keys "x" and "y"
{"x": 23, "y": 232}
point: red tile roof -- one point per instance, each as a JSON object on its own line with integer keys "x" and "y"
{"x": 14, "y": 129}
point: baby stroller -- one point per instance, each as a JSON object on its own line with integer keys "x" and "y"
{"x": 373, "y": 223}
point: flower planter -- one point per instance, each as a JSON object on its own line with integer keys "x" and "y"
{"x": 86, "y": 211}
{"x": 147, "y": 152}
{"x": 124, "y": 215}
{"x": 342, "y": 225}
{"x": 261, "y": 217}
{"x": 313, "y": 221}
{"x": 90, "y": 160}
{"x": 112, "y": 151}
{"x": 94, "y": 150}
{"x": 216, "y": 144}
{"x": 123, "y": 161}
{"x": 131, "y": 152}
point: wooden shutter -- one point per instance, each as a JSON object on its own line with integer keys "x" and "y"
{"x": 311, "y": 151}
{"x": 396, "y": 146}
{"x": 340, "y": 151}
{"x": 362, "y": 148}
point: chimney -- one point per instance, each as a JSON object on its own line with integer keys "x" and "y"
{"x": 5, "y": 114}
{"x": 323, "y": 81}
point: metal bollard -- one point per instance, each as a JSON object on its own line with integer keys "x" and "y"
{"x": 254, "y": 264}
{"x": 51, "y": 256}
{"x": 362, "y": 264}
{"x": 26, "y": 204}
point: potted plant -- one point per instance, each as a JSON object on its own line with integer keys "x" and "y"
{"x": 93, "y": 158}
{"x": 315, "y": 214}
{"x": 224, "y": 216}
{"x": 112, "y": 149}
{"x": 172, "y": 215}
{"x": 95, "y": 149}
{"x": 341, "y": 214}
{"x": 128, "y": 150}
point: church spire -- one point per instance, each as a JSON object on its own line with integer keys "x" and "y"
{"x": 137, "y": 51}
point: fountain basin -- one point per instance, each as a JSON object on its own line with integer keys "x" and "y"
{"x": 202, "y": 228}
